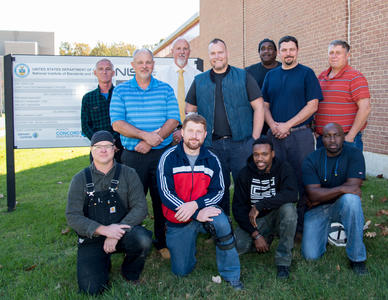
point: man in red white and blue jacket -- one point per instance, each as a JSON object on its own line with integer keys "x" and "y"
{"x": 191, "y": 184}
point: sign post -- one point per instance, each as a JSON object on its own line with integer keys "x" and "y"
{"x": 9, "y": 133}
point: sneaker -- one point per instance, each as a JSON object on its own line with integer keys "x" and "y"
{"x": 283, "y": 272}
{"x": 359, "y": 267}
{"x": 237, "y": 285}
{"x": 165, "y": 253}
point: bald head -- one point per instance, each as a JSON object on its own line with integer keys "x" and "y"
{"x": 333, "y": 126}
{"x": 333, "y": 139}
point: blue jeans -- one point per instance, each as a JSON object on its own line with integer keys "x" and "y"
{"x": 347, "y": 210}
{"x": 181, "y": 241}
{"x": 356, "y": 143}
{"x": 233, "y": 157}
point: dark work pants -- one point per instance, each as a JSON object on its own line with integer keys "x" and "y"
{"x": 93, "y": 263}
{"x": 145, "y": 166}
{"x": 233, "y": 157}
{"x": 294, "y": 148}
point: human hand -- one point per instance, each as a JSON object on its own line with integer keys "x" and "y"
{"x": 153, "y": 138}
{"x": 143, "y": 148}
{"x": 110, "y": 245}
{"x": 186, "y": 210}
{"x": 283, "y": 130}
{"x": 114, "y": 231}
{"x": 274, "y": 128}
{"x": 206, "y": 214}
{"x": 349, "y": 138}
{"x": 253, "y": 215}
{"x": 177, "y": 136}
{"x": 261, "y": 245}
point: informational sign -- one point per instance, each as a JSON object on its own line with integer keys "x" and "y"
{"x": 47, "y": 96}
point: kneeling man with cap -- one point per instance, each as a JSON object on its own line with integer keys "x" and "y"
{"x": 106, "y": 205}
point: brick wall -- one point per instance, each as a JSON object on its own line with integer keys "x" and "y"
{"x": 243, "y": 23}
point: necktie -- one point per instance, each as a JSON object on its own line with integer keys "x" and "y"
{"x": 181, "y": 94}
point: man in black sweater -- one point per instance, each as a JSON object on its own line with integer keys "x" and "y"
{"x": 263, "y": 205}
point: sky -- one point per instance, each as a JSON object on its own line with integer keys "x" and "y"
{"x": 140, "y": 22}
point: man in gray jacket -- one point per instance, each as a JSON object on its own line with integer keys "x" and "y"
{"x": 106, "y": 205}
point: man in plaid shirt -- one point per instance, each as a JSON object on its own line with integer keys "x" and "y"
{"x": 95, "y": 105}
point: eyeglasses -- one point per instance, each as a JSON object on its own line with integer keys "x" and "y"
{"x": 105, "y": 147}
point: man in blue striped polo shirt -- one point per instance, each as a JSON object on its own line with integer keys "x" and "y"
{"x": 145, "y": 111}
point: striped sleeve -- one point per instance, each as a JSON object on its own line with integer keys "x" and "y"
{"x": 359, "y": 88}
{"x": 166, "y": 184}
{"x": 216, "y": 187}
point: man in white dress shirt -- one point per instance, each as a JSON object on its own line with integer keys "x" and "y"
{"x": 180, "y": 70}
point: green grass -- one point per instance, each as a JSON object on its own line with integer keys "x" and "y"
{"x": 38, "y": 262}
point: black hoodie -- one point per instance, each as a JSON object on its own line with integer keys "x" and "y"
{"x": 267, "y": 191}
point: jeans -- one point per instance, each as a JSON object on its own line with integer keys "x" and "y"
{"x": 145, "y": 166}
{"x": 356, "y": 143}
{"x": 93, "y": 263}
{"x": 293, "y": 149}
{"x": 233, "y": 157}
{"x": 181, "y": 241}
{"x": 280, "y": 221}
{"x": 346, "y": 210}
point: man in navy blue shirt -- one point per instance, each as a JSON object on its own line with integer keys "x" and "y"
{"x": 267, "y": 52}
{"x": 333, "y": 177}
{"x": 291, "y": 94}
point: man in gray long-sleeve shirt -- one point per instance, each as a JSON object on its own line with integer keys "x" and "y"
{"x": 106, "y": 205}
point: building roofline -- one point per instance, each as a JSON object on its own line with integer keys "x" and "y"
{"x": 191, "y": 22}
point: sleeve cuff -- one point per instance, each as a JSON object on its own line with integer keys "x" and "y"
{"x": 201, "y": 203}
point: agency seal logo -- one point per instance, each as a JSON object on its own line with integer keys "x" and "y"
{"x": 22, "y": 70}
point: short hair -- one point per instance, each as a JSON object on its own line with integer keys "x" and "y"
{"x": 196, "y": 118}
{"x": 266, "y": 41}
{"x": 216, "y": 41}
{"x": 263, "y": 141}
{"x": 137, "y": 51}
{"x": 288, "y": 38}
{"x": 342, "y": 43}
{"x": 104, "y": 59}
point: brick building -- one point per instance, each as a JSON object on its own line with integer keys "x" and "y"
{"x": 243, "y": 23}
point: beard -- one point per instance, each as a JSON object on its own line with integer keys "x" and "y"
{"x": 181, "y": 61}
{"x": 193, "y": 144}
{"x": 289, "y": 62}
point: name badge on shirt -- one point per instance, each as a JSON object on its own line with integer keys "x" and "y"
{"x": 113, "y": 209}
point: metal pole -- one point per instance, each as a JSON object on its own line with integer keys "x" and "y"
{"x": 9, "y": 132}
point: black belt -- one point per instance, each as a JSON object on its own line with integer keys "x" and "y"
{"x": 216, "y": 138}
{"x": 300, "y": 127}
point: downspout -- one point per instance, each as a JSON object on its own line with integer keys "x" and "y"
{"x": 244, "y": 33}
{"x": 348, "y": 33}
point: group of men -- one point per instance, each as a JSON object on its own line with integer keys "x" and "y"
{"x": 184, "y": 152}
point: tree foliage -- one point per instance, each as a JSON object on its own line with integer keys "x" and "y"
{"x": 101, "y": 49}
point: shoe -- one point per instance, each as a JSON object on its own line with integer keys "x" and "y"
{"x": 359, "y": 267}
{"x": 237, "y": 285}
{"x": 283, "y": 272}
{"x": 131, "y": 281}
{"x": 165, "y": 253}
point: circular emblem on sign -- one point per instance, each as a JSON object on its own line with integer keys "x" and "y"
{"x": 22, "y": 70}
{"x": 35, "y": 135}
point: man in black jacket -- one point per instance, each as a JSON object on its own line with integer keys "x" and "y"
{"x": 263, "y": 205}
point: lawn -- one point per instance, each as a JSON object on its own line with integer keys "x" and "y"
{"x": 38, "y": 255}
